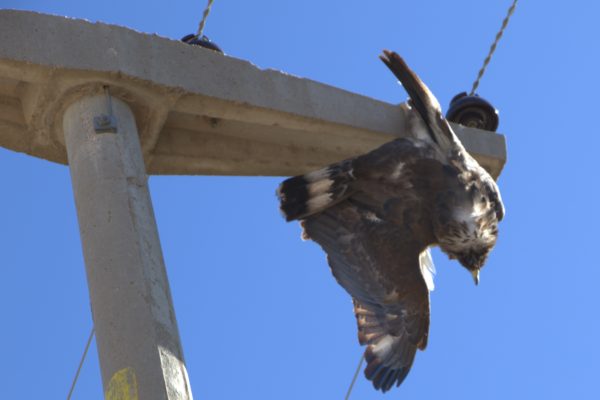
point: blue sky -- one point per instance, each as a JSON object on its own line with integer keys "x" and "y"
{"x": 259, "y": 314}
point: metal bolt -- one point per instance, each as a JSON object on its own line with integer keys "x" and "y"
{"x": 103, "y": 120}
{"x": 105, "y": 124}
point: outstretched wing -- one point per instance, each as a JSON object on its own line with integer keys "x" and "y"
{"x": 377, "y": 262}
{"x": 422, "y": 100}
{"x": 386, "y": 173}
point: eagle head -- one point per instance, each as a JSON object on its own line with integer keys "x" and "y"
{"x": 473, "y": 260}
{"x": 468, "y": 229}
{"x": 471, "y": 247}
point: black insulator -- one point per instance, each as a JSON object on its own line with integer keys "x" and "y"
{"x": 473, "y": 111}
{"x": 203, "y": 41}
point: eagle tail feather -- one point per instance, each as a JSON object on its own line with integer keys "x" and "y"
{"x": 308, "y": 194}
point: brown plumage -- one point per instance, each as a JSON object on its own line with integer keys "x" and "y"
{"x": 376, "y": 216}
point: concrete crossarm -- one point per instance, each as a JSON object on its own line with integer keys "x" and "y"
{"x": 198, "y": 112}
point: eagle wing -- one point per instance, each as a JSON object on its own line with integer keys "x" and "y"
{"x": 373, "y": 217}
{"x": 378, "y": 263}
{"x": 422, "y": 100}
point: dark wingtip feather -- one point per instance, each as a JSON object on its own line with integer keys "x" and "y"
{"x": 421, "y": 97}
{"x": 293, "y": 195}
{"x": 383, "y": 377}
{"x": 386, "y": 377}
{"x": 385, "y": 58}
{"x": 413, "y": 85}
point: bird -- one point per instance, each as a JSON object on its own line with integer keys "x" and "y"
{"x": 377, "y": 215}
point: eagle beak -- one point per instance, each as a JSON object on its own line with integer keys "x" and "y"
{"x": 475, "y": 274}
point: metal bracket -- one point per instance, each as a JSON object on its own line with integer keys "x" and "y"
{"x": 106, "y": 123}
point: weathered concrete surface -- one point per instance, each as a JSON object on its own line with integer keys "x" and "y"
{"x": 198, "y": 112}
{"x": 136, "y": 330}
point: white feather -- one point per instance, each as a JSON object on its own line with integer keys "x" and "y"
{"x": 318, "y": 187}
{"x": 397, "y": 171}
{"x": 468, "y": 217}
{"x": 318, "y": 203}
{"x": 372, "y": 217}
{"x": 318, "y": 175}
{"x": 427, "y": 268}
{"x": 383, "y": 346}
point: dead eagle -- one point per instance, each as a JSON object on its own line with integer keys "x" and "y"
{"x": 376, "y": 216}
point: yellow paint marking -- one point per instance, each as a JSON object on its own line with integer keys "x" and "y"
{"x": 122, "y": 386}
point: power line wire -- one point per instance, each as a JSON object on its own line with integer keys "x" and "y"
{"x": 360, "y": 363}
{"x": 204, "y": 17}
{"x": 87, "y": 346}
{"x": 510, "y": 12}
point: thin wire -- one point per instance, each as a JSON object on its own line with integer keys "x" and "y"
{"x": 510, "y": 12}
{"x": 204, "y": 17}
{"x": 87, "y": 346}
{"x": 360, "y": 363}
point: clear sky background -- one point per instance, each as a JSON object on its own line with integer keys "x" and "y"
{"x": 259, "y": 313}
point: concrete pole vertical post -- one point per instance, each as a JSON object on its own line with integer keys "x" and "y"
{"x": 136, "y": 331}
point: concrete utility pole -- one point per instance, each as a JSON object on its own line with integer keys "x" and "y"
{"x": 136, "y": 331}
{"x": 173, "y": 109}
